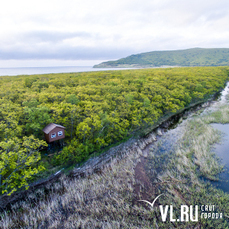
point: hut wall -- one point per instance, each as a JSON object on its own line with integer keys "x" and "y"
{"x": 55, "y": 131}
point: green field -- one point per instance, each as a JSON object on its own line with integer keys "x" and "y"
{"x": 98, "y": 109}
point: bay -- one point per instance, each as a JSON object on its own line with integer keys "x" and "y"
{"x": 48, "y": 70}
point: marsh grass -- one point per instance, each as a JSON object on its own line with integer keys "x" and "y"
{"x": 98, "y": 201}
{"x": 108, "y": 200}
{"x": 177, "y": 172}
{"x": 221, "y": 115}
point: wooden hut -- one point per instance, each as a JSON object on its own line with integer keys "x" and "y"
{"x": 53, "y": 132}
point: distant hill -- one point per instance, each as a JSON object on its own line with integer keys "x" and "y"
{"x": 188, "y": 57}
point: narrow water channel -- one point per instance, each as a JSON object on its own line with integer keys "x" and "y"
{"x": 165, "y": 145}
{"x": 222, "y": 151}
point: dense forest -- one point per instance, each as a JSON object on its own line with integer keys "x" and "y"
{"x": 97, "y": 109}
{"x": 188, "y": 57}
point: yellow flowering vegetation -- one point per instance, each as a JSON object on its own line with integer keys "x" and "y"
{"x": 98, "y": 109}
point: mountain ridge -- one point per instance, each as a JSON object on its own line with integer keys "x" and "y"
{"x": 184, "y": 58}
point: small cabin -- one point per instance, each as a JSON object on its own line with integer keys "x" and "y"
{"x": 53, "y": 132}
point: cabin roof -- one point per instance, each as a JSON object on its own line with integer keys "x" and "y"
{"x": 50, "y": 127}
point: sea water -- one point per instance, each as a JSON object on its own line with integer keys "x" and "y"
{"x": 47, "y": 70}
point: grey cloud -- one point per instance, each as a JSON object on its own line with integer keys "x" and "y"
{"x": 115, "y": 32}
{"x": 216, "y": 15}
{"x": 66, "y": 53}
{"x": 106, "y": 51}
{"x": 51, "y": 36}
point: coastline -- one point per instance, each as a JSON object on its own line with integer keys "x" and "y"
{"x": 95, "y": 165}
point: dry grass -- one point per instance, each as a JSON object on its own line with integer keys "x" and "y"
{"x": 108, "y": 200}
{"x": 196, "y": 145}
{"x": 98, "y": 201}
{"x": 176, "y": 171}
{"x": 221, "y": 115}
{"x": 191, "y": 156}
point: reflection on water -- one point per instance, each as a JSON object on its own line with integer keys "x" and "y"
{"x": 222, "y": 151}
{"x": 223, "y": 97}
{"x": 49, "y": 70}
{"x": 166, "y": 143}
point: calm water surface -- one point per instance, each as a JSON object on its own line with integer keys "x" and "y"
{"x": 47, "y": 70}
{"x": 222, "y": 151}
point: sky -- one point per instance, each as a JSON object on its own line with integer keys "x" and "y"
{"x": 87, "y": 32}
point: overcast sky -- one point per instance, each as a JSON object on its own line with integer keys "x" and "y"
{"x": 86, "y": 32}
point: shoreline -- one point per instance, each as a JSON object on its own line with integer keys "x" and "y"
{"x": 112, "y": 156}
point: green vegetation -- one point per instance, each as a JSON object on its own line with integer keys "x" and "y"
{"x": 189, "y": 57}
{"x": 17, "y": 159}
{"x": 98, "y": 109}
{"x": 176, "y": 172}
{"x": 110, "y": 200}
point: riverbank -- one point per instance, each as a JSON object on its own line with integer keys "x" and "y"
{"x": 110, "y": 197}
{"x": 183, "y": 164}
{"x": 97, "y": 164}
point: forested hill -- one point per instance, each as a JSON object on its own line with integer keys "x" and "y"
{"x": 188, "y": 57}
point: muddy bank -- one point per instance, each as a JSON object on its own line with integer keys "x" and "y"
{"x": 112, "y": 156}
{"x": 115, "y": 154}
{"x": 145, "y": 175}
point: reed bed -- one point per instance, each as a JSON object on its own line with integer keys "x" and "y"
{"x": 109, "y": 200}
{"x": 181, "y": 172}
{"x": 98, "y": 201}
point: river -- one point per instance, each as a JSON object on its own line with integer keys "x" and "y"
{"x": 222, "y": 151}
{"x": 157, "y": 155}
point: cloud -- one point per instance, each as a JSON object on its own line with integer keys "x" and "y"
{"x": 86, "y": 30}
{"x": 52, "y": 36}
{"x": 65, "y": 53}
